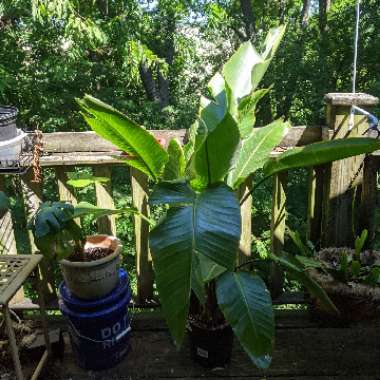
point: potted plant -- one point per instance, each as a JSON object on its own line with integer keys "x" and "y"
{"x": 90, "y": 265}
{"x": 194, "y": 247}
{"x": 350, "y": 277}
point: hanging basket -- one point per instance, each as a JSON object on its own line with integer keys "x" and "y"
{"x": 8, "y": 128}
{"x": 357, "y": 302}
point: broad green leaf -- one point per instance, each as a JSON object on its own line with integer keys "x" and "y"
{"x": 237, "y": 71}
{"x": 255, "y": 150}
{"x": 4, "y": 201}
{"x": 320, "y": 153}
{"x": 175, "y": 167}
{"x": 172, "y": 248}
{"x": 373, "y": 277}
{"x": 210, "y": 227}
{"x": 209, "y": 270}
{"x": 172, "y": 193}
{"x": 246, "y": 67}
{"x": 247, "y": 306}
{"x": 82, "y": 180}
{"x": 131, "y": 138}
{"x": 298, "y": 271}
{"x": 247, "y": 111}
{"x": 212, "y": 160}
{"x": 271, "y": 44}
{"x": 309, "y": 262}
{"x": 297, "y": 241}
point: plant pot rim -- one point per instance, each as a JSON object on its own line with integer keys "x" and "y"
{"x": 352, "y": 289}
{"x": 199, "y": 325}
{"x": 94, "y": 263}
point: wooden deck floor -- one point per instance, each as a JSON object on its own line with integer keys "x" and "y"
{"x": 304, "y": 351}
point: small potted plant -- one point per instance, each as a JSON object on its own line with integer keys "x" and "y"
{"x": 351, "y": 278}
{"x": 89, "y": 264}
{"x": 195, "y": 245}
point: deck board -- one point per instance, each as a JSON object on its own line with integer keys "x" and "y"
{"x": 303, "y": 351}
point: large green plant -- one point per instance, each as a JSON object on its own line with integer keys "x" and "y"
{"x": 194, "y": 247}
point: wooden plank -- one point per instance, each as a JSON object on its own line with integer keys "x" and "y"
{"x": 66, "y": 192}
{"x": 278, "y": 224}
{"x": 68, "y": 142}
{"x": 300, "y": 353}
{"x": 32, "y": 195}
{"x": 368, "y": 203}
{"x": 345, "y": 175}
{"x": 246, "y": 223}
{"x": 104, "y": 199}
{"x": 315, "y": 201}
{"x": 7, "y": 237}
{"x": 139, "y": 184}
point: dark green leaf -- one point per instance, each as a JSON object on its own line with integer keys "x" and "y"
{"x": 246, "y": 303}
{"x": 172, "y": 193}
{"x": 320, "y": 153}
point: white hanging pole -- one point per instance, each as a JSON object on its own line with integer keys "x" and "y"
{"x": 355, "y": 66}
{"x": 356, "y": 45}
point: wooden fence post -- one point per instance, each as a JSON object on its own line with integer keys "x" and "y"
{"x": 278, "y": 225}
{"x": 368, "y": 202}
{"x": 104, "y": 199}
{"x": 342, "y": 177}
{"x": 139, "y": 184}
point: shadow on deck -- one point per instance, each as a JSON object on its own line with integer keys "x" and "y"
{"x": 303, "y": 351}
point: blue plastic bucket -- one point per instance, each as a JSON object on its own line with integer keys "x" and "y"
{"x": 99, "y": 329}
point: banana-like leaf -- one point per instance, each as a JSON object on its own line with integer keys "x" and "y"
{"x": 112, "y": 125}
{"x": 172, "y": 249}
{"x": 209, "y": 270}
{"x": 172, "y": 193}
{"x": 246, "y": 67}
{"x": 255, "y": 150}
{"x": 247, "y": 306}
{"x": 210, "y": 226}
{"x": 320, "y": 153}
{"x": 247, "y": 111}
{"x": 176, "y": 165}
{"x": 298, "y": 271}
{"x": 212, "y": 161}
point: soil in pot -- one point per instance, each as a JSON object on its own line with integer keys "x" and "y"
{"x": 91, "y": 254}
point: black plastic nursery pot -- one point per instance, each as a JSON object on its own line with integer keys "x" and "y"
{"x": 210, "y": 348}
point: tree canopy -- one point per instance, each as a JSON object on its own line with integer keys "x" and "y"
{"x": 152, "y": 58}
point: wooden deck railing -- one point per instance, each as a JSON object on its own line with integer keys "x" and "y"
{"x": 330, "y": 192}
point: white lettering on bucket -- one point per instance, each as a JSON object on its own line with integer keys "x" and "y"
{"x": 202, "y": 353}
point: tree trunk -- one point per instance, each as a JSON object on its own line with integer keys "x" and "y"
{"x": 147, "y": 79}
{"x": 324, "y": 6}
{"x": 249, "y": 22}
{"x": 305, "y": 13}
{"x": 282, "y": 11}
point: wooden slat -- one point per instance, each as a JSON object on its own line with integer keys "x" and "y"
{"x": 246, "y": 223}
{"x": 68, "y": 142}
{"x": 315, "y": 201}
{"x": 32, "y": 195}
{"x": 342, "y": 177}
{"x": 66, "y": 192}
{"x": 278, "y": 224}
{"x": 104, "y": 199}
{"x": 368, "y": 203}
{"x": 139, "y": 183}
{"x": 7, "y": 237}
